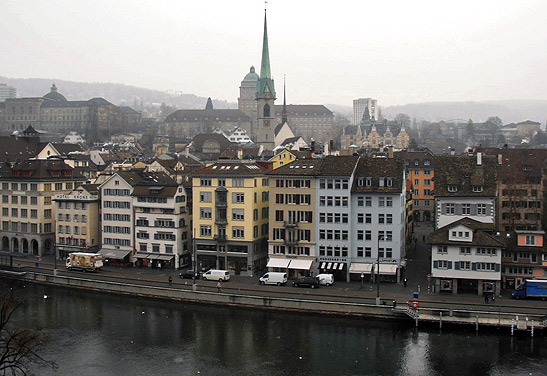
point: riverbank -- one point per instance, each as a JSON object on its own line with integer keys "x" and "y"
{"x": 304, "y": 303}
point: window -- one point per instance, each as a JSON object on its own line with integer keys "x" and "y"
{"x": 481, "y": 209}
{"x": 238, "y": 214}
{"x": 205, "y": 230}
{"x": 452, "y": 188}
{"x": 359, "y": 234}
{"x": 238, "y": 232}
{"x": 389, "y": 218}
{"x": 450, "y": 209}
{"x": 368, "y": 218}
{"x": 360, "y": 201}
{"x": 205, "y": 213}
{"x": 466, "y": 209}
{"x": 389, "y": 202}
{"x": 222, "y": 182}
{"x": 238, "y": 198}
{"x": 205, "y": 182}
{"x": 381, "y": 201}
{"x": 368, "y": 201}
{"x": 465, "y": 265}
{"x": 465, "y": 250}
{"x": 360, "y": 252}
{"x": 381, "y": 218}
{"x": 530, "y": 240}
{"x": 442, "y": 249}
{"x": 205, "y": 197}
{"x": 360, "y": 218}
{"x": 238, "y": 182}
{"x": 477, "y": 188}
{"x": 368, "y": 235}
{"x": 443, "y": 264}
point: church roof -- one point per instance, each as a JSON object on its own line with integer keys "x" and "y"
{"x": 54, "y": 96}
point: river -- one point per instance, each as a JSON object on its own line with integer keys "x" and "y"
{"x": 89, "y": 333}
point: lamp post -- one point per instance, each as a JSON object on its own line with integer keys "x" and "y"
{"x": 55, "y": 260}
{"x": 194, "y": 288}
{"x": 380, "y": 237}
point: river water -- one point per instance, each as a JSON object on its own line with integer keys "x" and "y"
{"x": 98, "y": 334}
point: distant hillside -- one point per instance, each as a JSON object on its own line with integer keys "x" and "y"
{"x": 508, "y": 111}
{"x": 116, "y": 93}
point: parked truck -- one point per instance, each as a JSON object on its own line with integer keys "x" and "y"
{"x": 531, "y": 288}
{"x": 84, "y": 261}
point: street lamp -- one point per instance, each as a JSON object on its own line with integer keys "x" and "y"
{"x": 380, "y": 237}
{"x": 194, "y": 287}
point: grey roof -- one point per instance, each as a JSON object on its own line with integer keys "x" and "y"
{"x": 199, "y": 116}
{"x": 376, "y": 168}
{"x": 464, "y": 172}
{"x": 297, "y": 110}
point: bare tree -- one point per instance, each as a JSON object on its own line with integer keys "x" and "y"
{"x": 18, "y": 347}
{"x": 403, "y": 120}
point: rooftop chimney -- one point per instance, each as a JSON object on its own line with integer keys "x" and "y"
{"x": 479, "y": 159}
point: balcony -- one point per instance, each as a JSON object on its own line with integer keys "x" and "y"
{"x": 290, "y": 242}
{"x": 221, "y": 221}
{"x": 221, "y": 204}
{"x": 220, "y": 238}
{"x": 290, "y": 224}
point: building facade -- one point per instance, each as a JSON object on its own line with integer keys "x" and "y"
{"x": 420, "y": 172}
{"x": 525, "y": 257}
{"x": 465, "y": 187}
{"x": 27, "y": 208}
{"x": 466, "y": 257}
{"x": 78, "y": 221}
{"x": 359, "y": 106}
{"x": 230, "y": 216}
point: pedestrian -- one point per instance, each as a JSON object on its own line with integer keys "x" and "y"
{"x": 494, "y": 297}
{"x": 485, "y": 297}
{"x": 218, "y": 286}
{"x": 405, "y": 282}
{"x": 170, "y": 280}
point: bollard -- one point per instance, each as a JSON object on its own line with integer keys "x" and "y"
{"x": 418, "y": 288}
{"x": 416, "y": 318}
{"x": 477, "y": 323}
{"x": 451, "y": 312}
{"x": 440, "y": 319}
{"x": 512, "y": 326}
{"x": 532, "y": 329}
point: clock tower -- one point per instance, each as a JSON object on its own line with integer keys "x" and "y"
{"x": 265, "y": 99}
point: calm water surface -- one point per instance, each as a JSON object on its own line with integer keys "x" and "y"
{"x": 99, "y": 334}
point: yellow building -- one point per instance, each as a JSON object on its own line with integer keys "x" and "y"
{"x": 230, "y": 216}
{"x": 420, "y": 173}
{"x": 282, "y": 158}
{"x": 28, "y": 213}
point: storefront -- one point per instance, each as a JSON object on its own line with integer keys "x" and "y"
{"x": 300, "y": 268}
{"x": 337, "y": 269}
{"x": 277, "y": 264}
{"x": 386, "y": 272}
{"x": 116, "y": 257}
{"x": 358, "y": 268}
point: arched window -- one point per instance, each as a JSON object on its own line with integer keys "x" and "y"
{"x": 266, "y": 110}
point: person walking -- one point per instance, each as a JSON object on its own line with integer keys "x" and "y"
{"x": 405, "y": 282}
{"x": 170, "y": 280}
{"x": 218, "y": 286}
{"x": 485, "y": 297}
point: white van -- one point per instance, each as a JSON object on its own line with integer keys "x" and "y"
{"x": 326, "y": 279}
{"x": 273, "y": 278}
{"x": 216, "y": 275}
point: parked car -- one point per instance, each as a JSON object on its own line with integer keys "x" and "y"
{"x": 188, "y": 274}
{"x": 312, "y": 282}
{"x": 325, "y": 279}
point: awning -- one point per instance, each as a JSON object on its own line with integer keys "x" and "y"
{"x": 300, "y": 264}
{"x": 329, "y": 265}
{"x": 358, "y": 267}
{"x": 388, "y": 269}
{"x": 278, "y": 263}
{"x": 165, "y": 257}
{"x": 335, "y": 266}
{"x": 117, "y": 254}
{"x": 141, "y": 255}
{"x": 341, "y": 266}
{"x": 403, "y": 263}
{"x": 323, "y": 265}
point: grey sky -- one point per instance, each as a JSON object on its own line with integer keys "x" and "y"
{"x": 331, "y": 52}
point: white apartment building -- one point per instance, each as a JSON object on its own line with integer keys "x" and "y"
{"x": 378, "y": 206}
{"x": 465, "y": 187}
{"x": 118, "y": 240}
{"x": 162, "y": 222}
{"x": 359, "y": 106}
{"x": 466, "y": 256}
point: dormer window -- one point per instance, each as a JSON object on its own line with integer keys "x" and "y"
{"x": 477, "y": 188}
{"x": 427, "y": 162}
{"x": 416, "y": 162}
{"x": 381, "y": 181}
{"x": 389, "y": 182}
{"x": 452, "y": 188}
{"x": 368, "y": 181}
{"x": 360, "y": 182}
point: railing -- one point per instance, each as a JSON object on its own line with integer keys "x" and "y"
{"x": 290, "y": 223}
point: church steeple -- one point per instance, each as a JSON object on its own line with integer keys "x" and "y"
{"x": 265, "y": 66}
{"x": 284, "y": 114}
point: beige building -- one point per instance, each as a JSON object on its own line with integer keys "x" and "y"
{"x": 309, "y": 121}
{"x": 292, "y": 243}
{"x": 78, "y": 220}
{"x": 230, "y": 216}
{"x": 28, "y": 212}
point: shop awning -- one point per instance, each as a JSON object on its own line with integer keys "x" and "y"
{"x": 358, "y": 267}
{"x": 300, "y": 264}
{"x": 141, "y": 255}
{"x": 323, "y": 265}
{"x": 329, "y": 265}
{"x": 388, "y": 269}
{"x": 341, "y": 266}
{"x": 278, "y": 263}
{"x": 116, "y": 254}
{"x": 165, "y": 257}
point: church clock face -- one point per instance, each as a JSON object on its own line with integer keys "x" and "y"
{"x": 266, "y": 123}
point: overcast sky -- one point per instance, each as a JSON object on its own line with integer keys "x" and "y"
{"x": 331, "y": 52}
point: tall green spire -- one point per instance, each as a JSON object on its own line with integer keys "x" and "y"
{"x": 265, "y": 66}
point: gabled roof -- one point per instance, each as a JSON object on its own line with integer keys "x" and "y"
{"x": 480, "y": 234}
{"x": 300, "y": 167}
{"x": 297, "y": 110}
{"x": 464, "y": 172}
{"x": 376, "y": 168}
{"x": 338, "y": 165}
{"x": 229, "y": 168}
{"x": 204, "y": 116}
{"x": 41, "y": 169}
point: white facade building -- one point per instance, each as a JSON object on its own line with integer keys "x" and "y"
{"x": 359, "y": 106}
